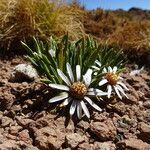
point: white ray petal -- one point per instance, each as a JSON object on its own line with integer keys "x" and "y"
{"x": 88, "y": 77}
{"x": 104, "y": 70}
{"x": 64, "y": 78}
{"x": 58, "y": 98}
{"x": 95, "y": 92}
{"x": 79, "y": 110}
{"x": 70, "y": 73}
{"x": 123, "y": 85}
{"x": 90, "y": 89}
{"x": 110, "y": 69}
{"x": 121, "y": 90}
{"x": 98, "y": 63}
{"x": 92, "y": 103}
{"x": 66, "y": 101}
{"x": 120, "y": 78}
{"x": 102, "y": 82}
{"x": 59, "y": 87}
{"x": 96, "y": 68}
{"x": 101, "y": 93}
{"x": 114, "y": 69}
{"x": 78, "y": 72}
{"x": 95, "y": 73}
{"x": 73, "y": 107}
{"x": 109, "y": 90}
{"x": 86, "y": 111}
{"x": 117, "y": 91}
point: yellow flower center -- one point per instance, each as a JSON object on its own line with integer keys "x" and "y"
{"x": 78, "y": 90}
{"x": 111, "y": 78}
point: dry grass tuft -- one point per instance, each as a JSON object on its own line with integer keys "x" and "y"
{"x": 21, "y": 19}
{"x": 134, "y": 38}
{"x": 121, "y": 29}
{"x": 134, "y": 35}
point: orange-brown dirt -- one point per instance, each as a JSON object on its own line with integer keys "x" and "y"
{"x": 29, "y": 122}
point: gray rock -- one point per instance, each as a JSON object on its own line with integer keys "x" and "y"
{"x": 23, "y": 72}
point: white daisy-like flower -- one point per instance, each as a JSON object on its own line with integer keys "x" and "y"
{"x": 113, "y": 81}
{"x": 76, "y": 91}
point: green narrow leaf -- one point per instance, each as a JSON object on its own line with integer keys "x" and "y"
{"x": 28, "y": 49}
{"x": 37, "y": 46}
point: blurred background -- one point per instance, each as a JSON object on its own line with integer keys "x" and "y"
{"x": 121, "y": 24}
{"x": 115, "y": 4}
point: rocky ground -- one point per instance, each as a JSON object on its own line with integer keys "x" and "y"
{"x": 28, "y": 122}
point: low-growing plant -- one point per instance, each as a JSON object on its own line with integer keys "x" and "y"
{"x": 78, "y": 70}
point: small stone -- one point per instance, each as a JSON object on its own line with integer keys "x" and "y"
{"x": 85, "y": 146}
{"x": 10, "y": 137}
{"x": 132, "y": 143}
{"x": 29, "y": 102}
{"x": 16, "y": 108}
{"x": 41, "y": 142}
{"x": 144, "y": 131}
{"x": 83, "y": 124}
{"x": 119, "y": 108}
{"x": 14, "y": 130}
{"x": 49, "y": 138}
{"x": 38, "y": 124}
{"x": 16, "y": 145}
{"x": 5, "y": 121}
{"x": 132, "y": 99}
{"x": 24, "y": 136}
{"x": 6, "y": 100}
{"x": 74, "y": 139}
{"x": 104, "y": 146}
{"x": 3, "y": 82}
{"x": 8, "y": 145}
{"x": 146, "y": 104}
{"x": 104, "y": 130}
{"x": 23, "y": 121}
{"x": 1, "y": 139}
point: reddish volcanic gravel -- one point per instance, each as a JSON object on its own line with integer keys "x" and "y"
{"x": 29, "y": 122}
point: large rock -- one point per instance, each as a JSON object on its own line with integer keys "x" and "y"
{"x": 23, "y": 72}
